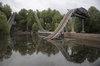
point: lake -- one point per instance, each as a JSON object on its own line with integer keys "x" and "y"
{"x": 32, "y": 50}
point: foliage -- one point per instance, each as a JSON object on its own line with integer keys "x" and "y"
{"x": 30, "y": 19}
{"x": 34, "y": 27}
{"x": 21, "y": 19}
{"x": 49, "y": 18}
{"x": 92, "y": 24}
{"x": 3, "y": 23}
{"x": 69, "y": 25}
{"x": 78, "y": 24}
{"x": 25, "y": 19}
{"x": 5, "y": 13}
{"x": 6, "y": 10}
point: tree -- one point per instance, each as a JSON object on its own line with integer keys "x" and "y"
{"x": 56, "y": 19}
{"x": 30, "y": 19}
{"x": 3, "y": 23}
{"x": 1, "y": 6}
{"x": 7, "y": 10}
{"x": 50, "y": 18}
{"x": 21, "y": 19}
{"x": 78, "y": 24}
{"x": 92, "y": 24}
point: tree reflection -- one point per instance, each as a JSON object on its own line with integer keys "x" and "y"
{"x": 27, "y": 44}
{"x": 5, "y": 50}
{"x": 80, "y": 53}
{"x": 93, "y": 54}
{"x": 77, "y": 53}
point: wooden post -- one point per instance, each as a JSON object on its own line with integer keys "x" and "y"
{"x": 82, "y": 26}
{"x": 67, "y": 27}
{"x": 73, "y": 24}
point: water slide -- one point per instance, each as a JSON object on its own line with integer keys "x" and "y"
{"x": 11, "y": 21}
{"x": 61, "y": 26}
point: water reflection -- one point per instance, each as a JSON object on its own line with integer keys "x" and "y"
{"x": 28, "y": 45}
{"x": 25, "y": 44}
{"x": 5, "y": 50}
{"x": 76, "y": 53}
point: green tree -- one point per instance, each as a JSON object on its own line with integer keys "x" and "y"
{"x": 7, "y": 10}
{"x": 3, "y": 23}
{"x": 92, "y": 24}
{"x": 21, "y": 19}
{"x": 49, "y": 18}
{"x": 1, "y": 6}
{"x": 78, "y": 24}
{"x": 30, "y": 19}
{"x": 56, "y": 19}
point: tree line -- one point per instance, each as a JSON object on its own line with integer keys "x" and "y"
{"x": 25, "y": 20}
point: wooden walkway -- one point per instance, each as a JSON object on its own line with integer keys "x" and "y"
{"x": 59, "y": 29}
{"x": 11, "y": 21}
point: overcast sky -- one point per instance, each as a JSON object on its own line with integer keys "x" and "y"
{"x": 61, "y": 5}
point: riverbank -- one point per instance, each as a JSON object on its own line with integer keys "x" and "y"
{"x": 21, "y": 33}
{"x": 86, "y": 36}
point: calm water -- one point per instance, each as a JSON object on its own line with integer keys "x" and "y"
{"x": 27, "y": 50}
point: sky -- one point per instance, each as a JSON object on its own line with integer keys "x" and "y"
{"x": 61, "y": 5}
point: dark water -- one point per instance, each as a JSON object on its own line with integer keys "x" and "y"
{"x": 27, "y": 50}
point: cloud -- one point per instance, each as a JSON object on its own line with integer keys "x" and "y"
{"x": 61, "y": 5}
